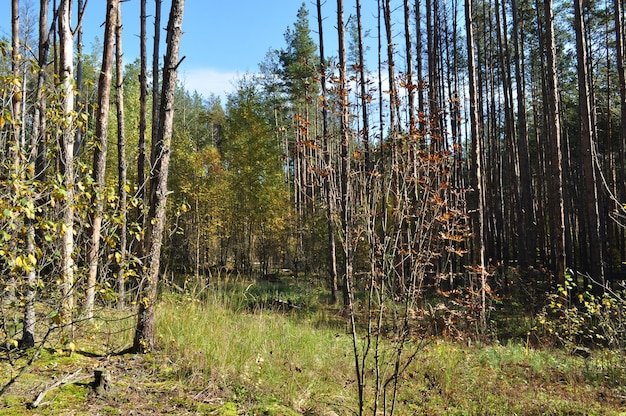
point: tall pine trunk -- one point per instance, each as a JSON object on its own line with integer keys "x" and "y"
{"x": 478, "y": 171}
{"x": 555, "y": 156}
{"x": 586, "y": 109}
{"x": 100, "y": 154}
{"x": 144, "y": 340}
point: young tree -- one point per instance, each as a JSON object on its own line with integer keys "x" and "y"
{"x": 250, "y": 151}
{"x": 121, "y": 157}
{"x": 477, "y": 155}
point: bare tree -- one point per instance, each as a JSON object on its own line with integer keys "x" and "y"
{"x": 143, "y": 99}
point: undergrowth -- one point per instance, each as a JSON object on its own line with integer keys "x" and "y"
{"x": 226, "y": 349}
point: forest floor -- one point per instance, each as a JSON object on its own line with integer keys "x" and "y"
{"x": 222, "y": 354}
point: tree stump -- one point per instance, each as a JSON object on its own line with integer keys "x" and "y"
{"x": 102, "y": 381}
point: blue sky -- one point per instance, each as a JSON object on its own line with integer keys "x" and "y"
{"x": 223, "y": 39}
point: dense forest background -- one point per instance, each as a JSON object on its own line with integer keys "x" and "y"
{"x": 472, "y": 151}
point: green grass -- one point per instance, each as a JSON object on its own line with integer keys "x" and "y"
{"x": 224, "y": 350}
{"x": 264, "y": 355}
{"x": 303, "y": 361}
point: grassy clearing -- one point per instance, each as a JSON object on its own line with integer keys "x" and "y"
{"x": 262, "y": 356}
{"x": 225, "y": 350}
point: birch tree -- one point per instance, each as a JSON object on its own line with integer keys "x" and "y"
{"x": 67, "y": 135}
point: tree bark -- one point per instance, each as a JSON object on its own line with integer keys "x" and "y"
{"x": 143, "y": 100}
{"x": 37, "y": 150}
{"x": 477, "y": 150}
{"x": 100, "y": 154}
{"x": 327, "y": 180}
{"x": 66, "y": 76}
{"x": 346, "y": 218}
{"x": 121, "y": 159}
{"x": 528, "y": 228}
{"x": 144, "y": 340}
{"x": 555, "y": 155}
{"x": 586, "y": 109}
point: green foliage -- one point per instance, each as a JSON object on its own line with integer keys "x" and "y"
{"x": 581, "y": 318}
{"x": 298, "y": 60}
{"x": 252, "y": 160}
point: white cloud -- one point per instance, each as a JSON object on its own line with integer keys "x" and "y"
{"x": 207, "y": 81}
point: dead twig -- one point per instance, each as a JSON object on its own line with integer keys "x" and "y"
{"x": 65, "y": 380}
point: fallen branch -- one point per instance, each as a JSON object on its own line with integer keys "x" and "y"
{"x": 65, "y": 380}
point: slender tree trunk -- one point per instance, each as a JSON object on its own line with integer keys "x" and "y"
{"x": 476, "y": 132}
{"x": 621, "y": 151}
{"x": 155, "y": 74}
{"x": 28, "y": 331}
{"x": 66, "y": 76}
{"x": 555, "y": 155}
{"x": 144, "y": 340}
{"x": 78, "y": 140}
{"x": 345, "y": 189}
{"x": 121, "y": 158}
{"x": 100, "y": 154}
{"x": 418, "y": 56}
{"x": 365, "y": 97}
{"x": 143, "y": 100}
{"x": 16, "y": 103}
{"x": 528, "y": 228}
{"x": 156, "y": 139}
{"x": 330, "y": 202}
{"x": 410, "y": 87}
{"x": 586, "y": 108}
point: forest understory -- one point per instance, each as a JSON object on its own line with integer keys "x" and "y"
{"x": 253, "y": 347}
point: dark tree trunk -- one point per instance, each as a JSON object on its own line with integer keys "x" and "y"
{"x": 589, "y": 200}
{"x": 555, "y": 153}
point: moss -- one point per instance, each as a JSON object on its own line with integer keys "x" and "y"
{"x": 69, "y": 396}
{"x": 274, "y": 409}
{"x": 109, "y": 410}
{"x": 228, "y": 409}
